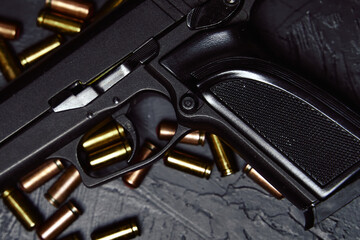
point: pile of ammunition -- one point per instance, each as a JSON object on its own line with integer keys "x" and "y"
{"x": 193, "y": 164}
{"x": 106, "y": 144}
{"x": 65, "y": 16}
{"x": 28, "y": 215}
{"x": 57, "y": 194}
{"x": 196, "y": 166}
{"x": 61, "y": 16}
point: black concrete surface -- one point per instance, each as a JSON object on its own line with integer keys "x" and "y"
{"x": 174, "y": 205}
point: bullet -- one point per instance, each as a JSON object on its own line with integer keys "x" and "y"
{"x": 256, "y": 177}
{"x": 58, "y": 222}
{"x": 22, "y": 208}
{"x": 127, "y": 229}
{"x": 41, "y": 175}
{"x": 188, "y": 163}
{"x": 63, "y": 187}
{"x": 40, "y": 49}
{"x": 135, "y": 178}
{"x": 9, "y": 30}
{"x": 77, "y": 9}
{"x": 59, "y": 23}
{"x": 109, "y": 155}
{"x": 9, "y": 64}
{"x": 222, "y": 160}
{"x": 166, "y": 130}
{"x": 107, "y": 135}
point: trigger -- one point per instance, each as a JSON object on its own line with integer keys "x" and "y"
{"x": 181, "y": 131}
{"x": 131, "y": 133}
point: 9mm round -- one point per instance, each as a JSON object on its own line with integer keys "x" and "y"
{"x": 188, "y": 163}
{"x": 135, "y": 178}
{"x": 63, "y": 187}
{"x": 9, "y": 63}
{"x": 39, "y": 50}
{"x": 110, "y": 155}
{"x": 59, "y": 221}
{"x": 40, "y": 175}
{"x": 222, "y": 160}
{"x": 22, "y": 208}
{"x": 109, "y": 134}
{"x": 78, "y": 9}
{"x": 127, "y": 229}
{"x": 59, "y": 23}
{"x": 166, "y": 130}
{"x": 9, "y": 30}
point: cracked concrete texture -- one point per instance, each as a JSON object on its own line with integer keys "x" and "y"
{"x": 316, "y": 37}
{"x": 174, "y": 205}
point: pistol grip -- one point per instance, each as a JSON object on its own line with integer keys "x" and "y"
{"x": 307, "y": 132}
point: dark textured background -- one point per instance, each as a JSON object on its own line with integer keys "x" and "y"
{"x": 323, "y": 36}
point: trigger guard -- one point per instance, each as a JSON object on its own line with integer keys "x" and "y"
{"x": 127, "y": 124}
{"x": 181, "y": 131}
{"x": 92, "y": 181}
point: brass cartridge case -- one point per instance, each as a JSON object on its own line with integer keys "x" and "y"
{"x": 109, "y": 134}
{"x": 188, "y": 163}
{"x": 9, "y": 30}
{"x": 256, "y": 177}
{"x": 40, "y": 175}
{"x": 22, "y": 208}
{"x": 9, "y": 64}
{"x": 59, "y": 23}
{"x": 109, "y": 155}
{"x": 135, "y": 178}
{"x": 222, "y": 160}
{"x": 63, "y": 187}
{"x": 59, "y": 221}
{"x": 39, "y": 50}
{"x": 78, "y": 9}
{"x": 124, "y": 230}
{"x": 166, "y": 130}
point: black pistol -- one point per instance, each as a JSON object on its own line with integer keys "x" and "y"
{"x": 201, "y": 57}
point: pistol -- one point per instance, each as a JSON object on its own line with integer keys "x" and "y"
{"x": 203, "y": 59}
